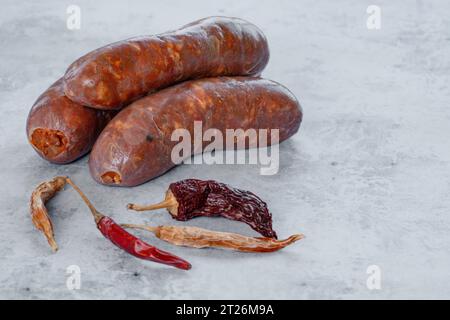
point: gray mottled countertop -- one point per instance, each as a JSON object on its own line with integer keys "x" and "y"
{"x": 367, "y": 178}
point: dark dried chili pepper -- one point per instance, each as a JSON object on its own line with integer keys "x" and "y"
{"x": 39, "y": 214}
{"x": 201, "y": 238}
{"x": 126, "y": 241}
{"x": 190, "y": 198}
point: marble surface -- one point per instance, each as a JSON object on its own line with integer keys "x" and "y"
{"x": 367, "y": 178}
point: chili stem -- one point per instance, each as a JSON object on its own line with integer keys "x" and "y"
{"x": 167, "y": 203}
{"x": 139, "y": 226}
{"x": 97, "y": 215}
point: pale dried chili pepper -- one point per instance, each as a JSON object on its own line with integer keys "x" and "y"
{"x": 39, "y": 214}
{"x": 202, "y": 238}
{"x": 126, "y": 241}
{"x": 190, "y": 198}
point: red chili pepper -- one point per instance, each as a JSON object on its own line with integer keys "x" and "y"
{"x": 136, "y": 246}
{"x": 126, "y": 241}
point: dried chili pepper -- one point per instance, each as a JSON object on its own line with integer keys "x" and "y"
{"x": 126, "y": 241}
{"x": 191, "y": 198}
{"x": 201, "y": 238}
{"x": 39, "y": 214}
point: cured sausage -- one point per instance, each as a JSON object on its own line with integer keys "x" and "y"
{"x": 117, "y": 74}
{"x": 136, "y": 145}
{"x": 61, "y": 130}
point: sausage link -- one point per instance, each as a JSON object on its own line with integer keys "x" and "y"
{"x": 61, "y": 130}
{"x": 117, "y": 74}
{"x": 136, "y": 145}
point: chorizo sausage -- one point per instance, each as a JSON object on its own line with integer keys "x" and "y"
{"x": 115, "y": 75}
{"x": 61, "y": 130}
{"x": 136, "y": 145}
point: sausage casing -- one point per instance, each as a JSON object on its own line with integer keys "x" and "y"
{"x": 61, "y": 130}
{"x": 114, "y": 75}
{"x": 136, "y": 145}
